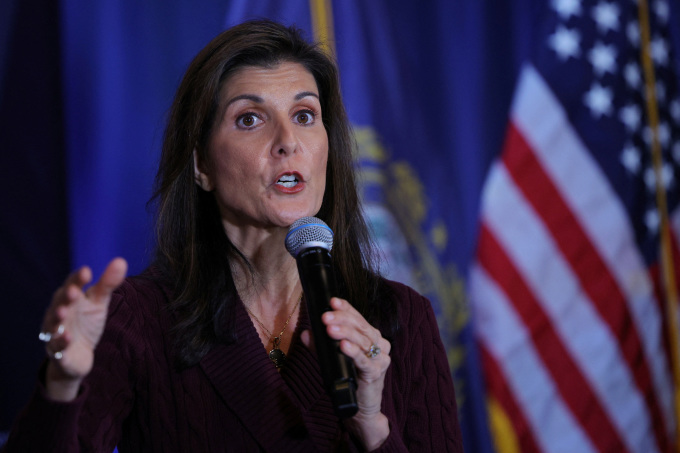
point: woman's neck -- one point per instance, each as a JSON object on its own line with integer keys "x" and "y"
{"x": 270, "y": 290}
{"x": 270, "y": 276}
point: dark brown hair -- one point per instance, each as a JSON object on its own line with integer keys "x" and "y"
{"x": 193, "y": 250}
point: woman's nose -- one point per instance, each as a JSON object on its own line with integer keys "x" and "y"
{"x": 286, "y": 141}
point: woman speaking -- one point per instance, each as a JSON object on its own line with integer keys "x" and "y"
{"x": 210, "y": 349}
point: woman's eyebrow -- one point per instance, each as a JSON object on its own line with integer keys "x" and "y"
{"x": 259, "y": 100}
{"x": 305, "y": 94}
{"x": 249, "y": 97}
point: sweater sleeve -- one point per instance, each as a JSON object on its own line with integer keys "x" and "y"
{"x": 425, "y": 416}
{"x": 46, "y": 425}
{"x": 93, "y": 421}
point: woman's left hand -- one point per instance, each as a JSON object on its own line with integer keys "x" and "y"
{"x": 370, "y": 352}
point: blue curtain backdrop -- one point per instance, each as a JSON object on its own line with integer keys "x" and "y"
{"x": 84, "y": 90}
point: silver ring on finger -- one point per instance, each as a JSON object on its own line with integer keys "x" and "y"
{"x": 373, "y": 351}
{"x": 56, "y": 355}
{"x": 45, "y": 337}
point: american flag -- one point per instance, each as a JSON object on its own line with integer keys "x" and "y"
{"x": 568, "y": 303}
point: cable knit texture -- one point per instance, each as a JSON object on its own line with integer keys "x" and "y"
{"x": 234, "y": 400}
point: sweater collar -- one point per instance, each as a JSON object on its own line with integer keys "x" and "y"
{"x": 247, "y": 381}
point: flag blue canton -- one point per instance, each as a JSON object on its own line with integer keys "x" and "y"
{"x": 592, "y": 59}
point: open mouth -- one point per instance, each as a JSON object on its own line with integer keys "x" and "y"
{"x": 288, "y": 181}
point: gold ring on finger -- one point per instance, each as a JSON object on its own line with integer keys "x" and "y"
{"x": 373, "y": 351}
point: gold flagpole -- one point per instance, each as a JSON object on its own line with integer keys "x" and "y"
{"x": 667, "y": 265}
{"x": 322, "y": 24}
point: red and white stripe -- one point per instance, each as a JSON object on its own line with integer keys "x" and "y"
{"x": 563, "y": 303}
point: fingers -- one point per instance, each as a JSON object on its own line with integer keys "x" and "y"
{"x": 70, "y": 291}
{"x": 58, "y": 342}
{"x": 345, "y": 322}
{"x": 73, "y": 285}
{"x": 54, "y": 328}
{"x": 66, "y": 319}
{"x": 306, "y": 338}
{"x": 79, "y": 277}
{"x": 357, "y": 336}
{"x": 111, "y": 278}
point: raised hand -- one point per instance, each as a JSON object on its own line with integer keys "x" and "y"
{"x": 74, "y": 323}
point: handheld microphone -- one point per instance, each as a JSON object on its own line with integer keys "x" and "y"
{"x": 309, "y": 241}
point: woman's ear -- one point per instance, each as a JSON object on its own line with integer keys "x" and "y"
{"x": 201, "y": 178}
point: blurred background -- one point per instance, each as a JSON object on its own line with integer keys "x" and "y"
{"x": 519, "y": 165}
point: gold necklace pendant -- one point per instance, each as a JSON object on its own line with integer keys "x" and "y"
{"x": 276, "y": 354}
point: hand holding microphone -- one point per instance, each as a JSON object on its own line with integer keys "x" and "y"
{"x": 309, "y": 241}
{"x": 354, "y": 357}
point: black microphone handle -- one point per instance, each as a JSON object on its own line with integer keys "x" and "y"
{"x": 318, "y": 283}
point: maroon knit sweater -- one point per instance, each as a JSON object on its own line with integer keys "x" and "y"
{"x": 235, "y": 400}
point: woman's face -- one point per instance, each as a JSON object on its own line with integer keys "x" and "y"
{"x": 269, "y": 148}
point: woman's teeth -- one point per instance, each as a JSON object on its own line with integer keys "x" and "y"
{"x": 287, "y": 181}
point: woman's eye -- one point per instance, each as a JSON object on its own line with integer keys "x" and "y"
{"x": 247, "y": 120}
{"x": 305, "y": 117}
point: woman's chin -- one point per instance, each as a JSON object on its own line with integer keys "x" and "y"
{"x": 288, "y": 217}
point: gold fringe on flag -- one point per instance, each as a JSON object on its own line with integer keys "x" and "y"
{"x": 667, "y": 265}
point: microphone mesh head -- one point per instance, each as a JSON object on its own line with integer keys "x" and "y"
{"x": 308, "y": 232}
